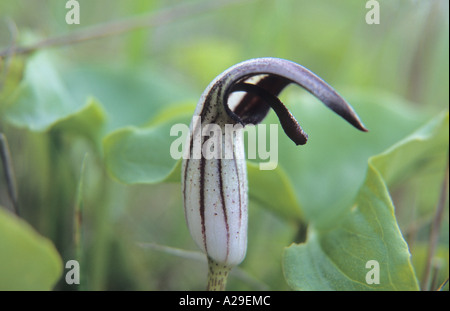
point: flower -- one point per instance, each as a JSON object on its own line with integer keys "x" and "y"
{"x": 215, "y": 188}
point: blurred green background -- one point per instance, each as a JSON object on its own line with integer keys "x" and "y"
{"x": 401, "y": 64}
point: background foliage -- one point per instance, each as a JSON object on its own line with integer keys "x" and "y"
{"x": 87, "y": 126}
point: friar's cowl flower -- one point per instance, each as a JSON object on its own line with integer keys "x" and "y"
{"x": 215, "y": 188}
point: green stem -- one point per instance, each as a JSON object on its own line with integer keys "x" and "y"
{"x": 6, "y": 160}
{"x": 217, "y": 276}
{"x": 435, "y": 229}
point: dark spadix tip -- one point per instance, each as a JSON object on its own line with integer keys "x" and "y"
{"x": 363, "y": 128}
{"x": 289, "y": 124}
{"x": 354, "y": 120}
{"x": 348, "y": 114}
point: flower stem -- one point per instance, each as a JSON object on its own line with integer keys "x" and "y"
{"x": 217, "y": 276}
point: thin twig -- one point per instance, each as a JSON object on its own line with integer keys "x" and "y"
{"x": 118, "y": 27}
{"x": 436, "y": 270}
{"x": 5, "y": 156}
{"x": 435, "y": 229}
{"x": 174, "y": 251}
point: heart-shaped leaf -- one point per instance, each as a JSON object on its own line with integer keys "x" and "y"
{"x": 28, "y": 261}
{"x": 42, "y": 98}
{"x": 142, "y": 155}
{"x": 337, "y": 258}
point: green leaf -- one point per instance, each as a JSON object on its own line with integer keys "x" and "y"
{"x": 42, "y": 98}
{"x": 335, "y": 258}
{"x": 51, "y": 92}
{"x": 426, "y": 145}
{"x": 88, "y": 121}
{"x": 130, "y": 96}
{"x": 142, "y": 155}
{"x": 273, "y": 190}
{"x": 28, "y": 261}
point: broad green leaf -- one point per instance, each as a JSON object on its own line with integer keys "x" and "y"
{"x": 134, "y": 155}
{"x": 88, "y": 121}
{"x": 142, "y": 155}
{"x": 28, "y": 261}
{"x": 273, "y": 190}
{"x": 419, "y": 167}
{"x": 335, "y": 258}
{"x": 42, "y": 98}
{"x": 175, "y": 175}
{"x": 428, "y": 144}
{"x": 51, "y": 92}
{"x": 43, "y": 101}
{"x": 130, "y": 96}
